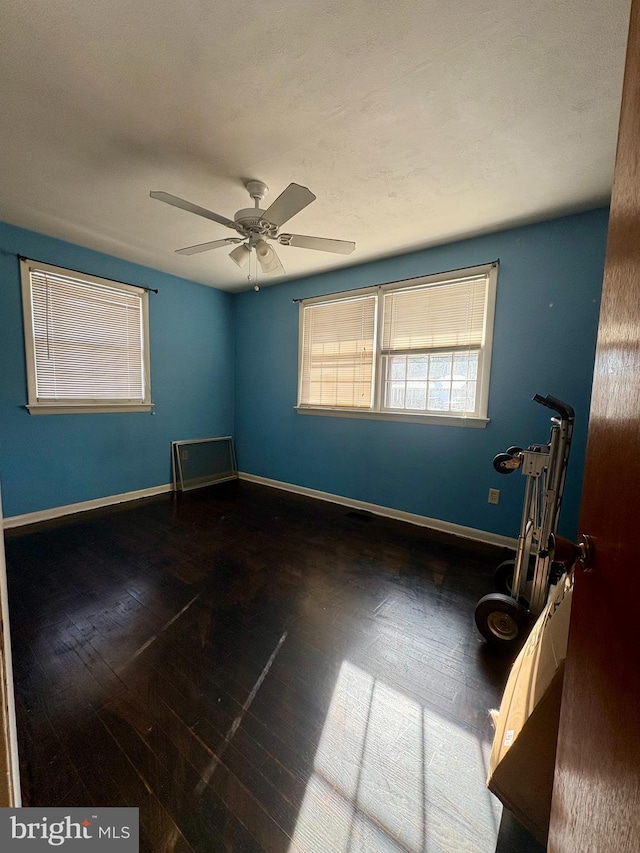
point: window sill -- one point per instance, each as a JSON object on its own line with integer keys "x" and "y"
{"x": 46, "y": 409}
{"x": 406, "y": 417}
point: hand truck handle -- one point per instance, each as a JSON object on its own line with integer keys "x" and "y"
{"x": 565, "y": 411}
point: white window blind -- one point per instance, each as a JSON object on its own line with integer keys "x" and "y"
{"x": 338, "y": 353}
{"x": 88, "y": 341}
{"x": 447, "y": 316}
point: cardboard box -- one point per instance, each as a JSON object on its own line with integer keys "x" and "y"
{"x": 524, "y": 747}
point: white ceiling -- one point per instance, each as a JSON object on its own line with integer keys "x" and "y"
{"x": 414, "y": 122}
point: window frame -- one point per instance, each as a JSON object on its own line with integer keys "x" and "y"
{"x": 79, "y": 406}
{"x": 378, "y": 411}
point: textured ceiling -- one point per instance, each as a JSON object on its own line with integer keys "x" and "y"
{"x": 414, "y": 123}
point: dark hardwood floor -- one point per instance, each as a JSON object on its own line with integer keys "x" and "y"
{"x": 258, "y": 671}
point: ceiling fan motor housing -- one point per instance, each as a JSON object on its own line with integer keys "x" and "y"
{"x": 251, "y": 219}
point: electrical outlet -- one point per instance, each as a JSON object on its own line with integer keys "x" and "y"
{"x": 494, "y": 496}
{"x": 184, "y": 454}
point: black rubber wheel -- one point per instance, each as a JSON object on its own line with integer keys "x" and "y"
{"x": 503, "y": 576}
{"x": 502, "y": 621}
{"x": 513, "y": 450}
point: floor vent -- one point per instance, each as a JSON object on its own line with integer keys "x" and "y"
{"x": 202, "y": 462}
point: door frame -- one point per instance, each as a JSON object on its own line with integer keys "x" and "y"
{"x": 10, "y": 791}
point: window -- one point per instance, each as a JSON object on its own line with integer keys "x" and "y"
{"x": 87, "y": 342}
{"x": 337, "y": 352}
{"x": 418, "y": 349}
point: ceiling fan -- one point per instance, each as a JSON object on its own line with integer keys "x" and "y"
{"x": 255, "y": 226}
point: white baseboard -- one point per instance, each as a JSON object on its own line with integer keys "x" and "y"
{"x": 83, "y": 506}
{"x": 388, "y": 512}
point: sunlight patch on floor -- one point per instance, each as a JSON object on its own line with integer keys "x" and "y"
{"x": 390, "y": 775}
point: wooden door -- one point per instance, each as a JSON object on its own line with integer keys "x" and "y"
{"x": 596, "y": 799}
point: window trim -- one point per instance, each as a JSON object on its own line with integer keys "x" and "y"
{"x": 79, "y": 406}
{"x": 377, "y": 410}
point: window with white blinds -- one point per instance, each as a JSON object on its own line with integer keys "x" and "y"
{"x": 431, "y": 341}
{"x": 337, "y": 352}
{"x": 87, "y": 342}
{"x": 413, "y": 348}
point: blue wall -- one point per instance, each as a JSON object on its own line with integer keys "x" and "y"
{"x": 546, "y": 321}
{"x": 545, "y": 331}
{"x": 52, "y": 460}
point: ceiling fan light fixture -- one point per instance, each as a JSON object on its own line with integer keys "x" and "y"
{"x": 240, "y": 255}
{"x": 266, "y": 257}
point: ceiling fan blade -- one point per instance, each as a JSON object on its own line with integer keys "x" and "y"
{"x": 174, "y": 201}
{"x": 290, "y": 201}
{"x": 204, "y": 247}
{"x": 323, "y": 244}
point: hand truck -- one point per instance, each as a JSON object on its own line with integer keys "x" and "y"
{"x": 504, "y": 618}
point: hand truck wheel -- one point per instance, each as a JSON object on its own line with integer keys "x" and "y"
{"x": 513, "y": 450}
{"x": 503, "y": 576}
{"x": 501, "y": 620}
{"x": 505, "y": 463}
